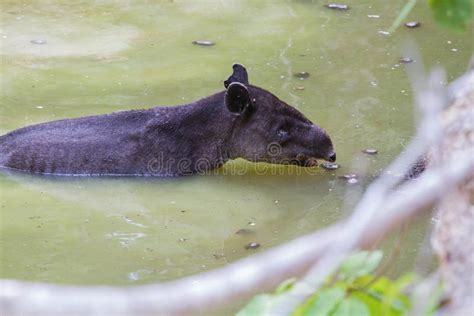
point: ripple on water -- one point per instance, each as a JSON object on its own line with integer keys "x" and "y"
{"x": 73, "y": 38}
{"x": 125, "y": 238}
{"x": 139, "y": 274}
{"x": 128, "y": 220}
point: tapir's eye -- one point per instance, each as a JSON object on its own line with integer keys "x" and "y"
{"x": 282, "y": 133}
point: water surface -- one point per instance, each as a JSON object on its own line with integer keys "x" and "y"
{"x": 96, "y": 57}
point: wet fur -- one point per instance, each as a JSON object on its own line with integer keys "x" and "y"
{"x": 238, "y": 122}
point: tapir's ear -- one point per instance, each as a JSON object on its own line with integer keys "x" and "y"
{"x": 237, "y": 98}
{"x": 239, "y": 75}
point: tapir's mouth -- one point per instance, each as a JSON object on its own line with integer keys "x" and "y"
{"x": 304, "y": 161}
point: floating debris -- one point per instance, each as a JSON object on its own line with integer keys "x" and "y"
{"x": 329, "y": 165}
{"x": 384, "y": 33}
{"x": 182, "y": 239}
{"x": 244, "y": 231}
{"x": 337, "y": 6}
{"x": 203, "y": 43}
{"x": 405, "y": 60}
{"x": 373, "y": 16}
{"x": 252, "y": 223}
{"x": 38, "y": 42}
{"x": 412, "y": 24}
{"x": 352, "y": 181}
{"x": 252, "y": 245}
{"x": 302, "y": 75}
{"x": 349, "y": 176}
{"x": 276, "y": 201}
{"x": 299, "y": 88}
{"x": 370, "y": 151}
{"x": 218, "y": 256}
{"x": 139, "y": 274}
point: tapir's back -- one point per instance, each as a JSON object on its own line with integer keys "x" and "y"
{"x": 67, "y": 146}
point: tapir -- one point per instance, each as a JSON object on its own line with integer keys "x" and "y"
{"x": 242, "y": 121}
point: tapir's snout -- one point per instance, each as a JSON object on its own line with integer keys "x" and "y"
{"x": 321, "y": 144}
{"x": 332, "y": 157}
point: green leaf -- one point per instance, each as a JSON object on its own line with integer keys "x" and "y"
{"x": 384, "y": 296}
{"x": 260, "y": 305}
{"x": 354, "y": 292}
{"x": 394, "y": 297}
{"x": 434, "y": 301}
{"x": 373, "y": 302}
{"x": 285, "y": 286}
{"x": 404, "y": 281}
{"x": 351, "y": 306}
{"x": 382, "y": 284}
{"x": 454, "y": 14}
{"x": 321, "y": 304}
{"x": 360, "y": 264}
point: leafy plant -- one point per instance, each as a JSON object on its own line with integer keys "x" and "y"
{"x": 353, "y": 290}
{"x": 454, "y": 14}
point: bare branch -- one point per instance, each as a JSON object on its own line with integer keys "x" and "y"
{"x": 430, "y": 99}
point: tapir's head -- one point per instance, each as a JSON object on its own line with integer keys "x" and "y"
{"x": 267, "y": 129}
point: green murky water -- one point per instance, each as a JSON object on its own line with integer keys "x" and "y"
{"x": 103, "y": 56}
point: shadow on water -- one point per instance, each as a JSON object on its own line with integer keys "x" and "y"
{"x": 122, "y": 215}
